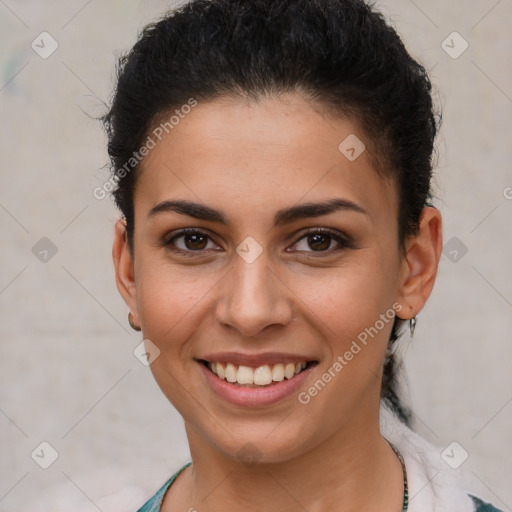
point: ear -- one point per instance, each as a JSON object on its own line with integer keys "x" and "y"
{"x": 124, "y": 269}
{"x": 419, "y": 268}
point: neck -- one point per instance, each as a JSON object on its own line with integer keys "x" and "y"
{"x": 353, "y": 470}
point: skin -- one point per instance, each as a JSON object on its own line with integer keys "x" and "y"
{"x": 251, "y": 159}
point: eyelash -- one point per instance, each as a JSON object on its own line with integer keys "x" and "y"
{"x": 344, "y": 241}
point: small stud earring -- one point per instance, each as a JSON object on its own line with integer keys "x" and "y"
{"x": 412, "y": 325}
{"x": 132, "y": 325}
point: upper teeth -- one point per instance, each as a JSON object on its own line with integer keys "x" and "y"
{"x": 261, "y": 376}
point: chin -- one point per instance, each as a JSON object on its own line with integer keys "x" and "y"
{"x": 256, "y": 444}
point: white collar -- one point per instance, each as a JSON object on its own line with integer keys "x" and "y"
{"x": 433, "y": 485}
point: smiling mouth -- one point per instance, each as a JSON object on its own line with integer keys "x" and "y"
{"x": 257, "y": 377}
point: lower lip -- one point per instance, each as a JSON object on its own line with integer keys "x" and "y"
{"x": 254, "y": 397}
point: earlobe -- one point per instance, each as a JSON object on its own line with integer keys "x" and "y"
{"x": 124, "y": 268}
{"x": 419, "y": 269}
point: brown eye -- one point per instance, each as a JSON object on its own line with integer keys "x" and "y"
{"x": 195, "y": 241}
{"x": 189, "y": 240}
{"x": 321, "y": 241}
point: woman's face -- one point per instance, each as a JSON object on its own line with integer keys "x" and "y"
{"x": 247, "y": 285}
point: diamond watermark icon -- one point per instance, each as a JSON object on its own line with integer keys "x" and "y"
{"x": 454, "y": 455}
{"x": 44, "y": 45}
{"x": 454, "y": 249}
{"x": 454, "y": 45}
{"x": 351, "y": 147}
{"x": 146, "y": 352}
{"x": 44, "y": 455}
{"x": 249, "y": 249}
{"x": 44, "y": 250}
{"x": 249, "y": 454}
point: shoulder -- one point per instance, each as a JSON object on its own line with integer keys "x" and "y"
{"x": 434, "y": 483}
{"x": 481, "y": 506}
{"x": 154, "y": 504}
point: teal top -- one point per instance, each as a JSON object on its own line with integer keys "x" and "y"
{"x": 154, "y": 504}
{"x": 481, "y": 506}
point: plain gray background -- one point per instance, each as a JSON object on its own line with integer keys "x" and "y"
{"x": 68, "y": 373}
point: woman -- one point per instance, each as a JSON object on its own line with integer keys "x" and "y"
{"x": 272, "y": 161}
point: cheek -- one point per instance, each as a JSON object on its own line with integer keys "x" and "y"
{"x": 356, "y": 318}
{"x": 350, "y": 299}
{"x": 169, "y": 304}
{"x": 169, "y": 300}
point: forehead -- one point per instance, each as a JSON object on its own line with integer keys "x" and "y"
{"x": 260, "y": 156}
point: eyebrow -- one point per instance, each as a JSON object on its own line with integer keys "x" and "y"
{"x": 282, "y": 217}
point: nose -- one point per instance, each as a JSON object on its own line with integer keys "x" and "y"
{"x": 252, "y": 298}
